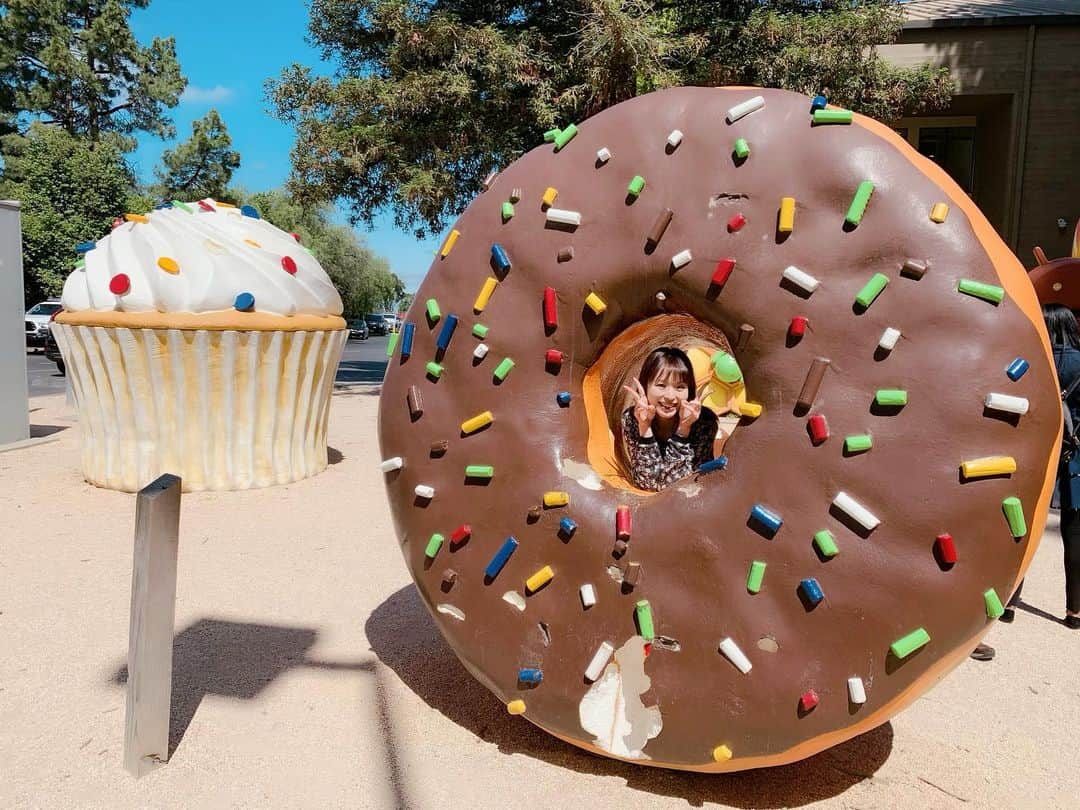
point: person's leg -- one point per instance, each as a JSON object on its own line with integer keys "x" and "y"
{"x": 1070, "y": 537}
{"x": 1014, "y": 600}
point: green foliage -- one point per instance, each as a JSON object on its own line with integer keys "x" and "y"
{"x": 201, "y": 166}
{"x": 70, "y": 192}
{"x": 77, "y": 64}
{"x": 362, "y": 278}
{"x": 431, "y": 94}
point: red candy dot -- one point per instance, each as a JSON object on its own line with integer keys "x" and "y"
{"x": 808, "y": 700}
{"x": 295, "y": 236}
{"x": 205, "y": 206}
{"x": 119, "y": 284}
{"x": 736, "y": 222}
{"x": 288, "y": 264}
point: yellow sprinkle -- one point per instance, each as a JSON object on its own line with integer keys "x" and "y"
{"x": 485, "y": 294}
{"x": 549, "y": 196}
{"x": 448, "y": 245}
{"x": 721, "y": 753}
{"x": 990, "y": 465}
{"x": 477, "y": 422}
{"x": 516, "y": 706}
{"x": 787, "y": 215}
{"x": 556, "y": 499}
{"x": 223, "y": 204}
{"x": 595, "y": 303}
{"x": 539, "y": 579}
{"x": 136, "y": 218}
{"x": 939, "y": 212}
{"x": 751, "y": 409}
{"x": 253, "y": 243}
{"x": 168, "y": 265}
{"x": 214, "y": 247}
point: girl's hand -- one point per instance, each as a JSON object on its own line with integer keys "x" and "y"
{"x": 643, "y": 411}
{"x": 689, "y": 411}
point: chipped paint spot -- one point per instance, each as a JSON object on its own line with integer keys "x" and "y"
{"x": 615, "y": 573}
{"x": 450, "y": 610}
{"x": 515, "y": 599}
{"x": 667, "y": 643}
{"x": 768, "y": 644}
{"x": 584, "y": 474}
{"x": 612, "y": 710}
{"x": 691, "y": 490}
{"x": 546, "y": 633}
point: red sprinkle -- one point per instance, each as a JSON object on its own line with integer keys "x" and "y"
{"x": 553, "y": 357}
{"x": 119, "y": 284}
{"x": 946, "y": 549}
{"x": 648, "y": 649}
{"x": 798, "y": 326}
{"x": 736, "y": 222}
{"x": 295, "y": 236}
{"x": 205, "y": 206}
{"x": 116, "y": 223}
{"x": 288, "y": 264}
{"x": 809, "y": 700}
{"x": 723, "y": 271}
{"x": 551, "y": 312}
{"x": 622, "y": 522}
{"x": 460, "y": 534}
{"x": 818, "y": 427}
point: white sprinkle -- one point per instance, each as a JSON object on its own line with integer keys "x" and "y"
{"x": 1007, "y": 402}
{"x": 856, "y": 690}
{"x": 859, "y": 513}
{"x": 675, "y": 138}
{"x": 747, "y": 107}
{"x": 588, "y": 595}
{"x": 733, "y": 654}
{"x": 801, "y": 279}
{"x": 514, "y": 598}
{"x": 681, "y": 259}
{"x": 599, "y": 660}
{"x": 564, "y": 217}
{"x": 480, "y": 352}
{"x": 424, "y": 491}
{"x": 603, "y": 154}
{"x": 889, "y": 338}
{"x": 661, "y": 297}
{"x": 391, "y": 464}
{"x": 490, "y": 179}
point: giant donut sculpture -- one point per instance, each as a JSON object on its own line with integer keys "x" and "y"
{"x": 756, "y": 614}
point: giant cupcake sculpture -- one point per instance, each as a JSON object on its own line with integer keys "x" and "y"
{"x": 201, "y": 341}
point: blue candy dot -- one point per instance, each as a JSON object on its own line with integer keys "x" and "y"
{"x": 245, "y": 302}
{"x": 819, "y": 103}
{"x": 250, "y": 211}
{"x": 85, "y": 247}
{"x": 563, "y": 398}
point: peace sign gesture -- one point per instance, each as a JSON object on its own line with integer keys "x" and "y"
{"x": 643, "y": 411}
{"x": 689, "y": 411}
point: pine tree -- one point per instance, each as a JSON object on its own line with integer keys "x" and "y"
{"x": 201, "y": 166}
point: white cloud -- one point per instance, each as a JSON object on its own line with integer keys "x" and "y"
{"x": 218, "y": 94}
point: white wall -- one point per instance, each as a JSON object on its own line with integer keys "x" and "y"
{"x": 14, "y": 407}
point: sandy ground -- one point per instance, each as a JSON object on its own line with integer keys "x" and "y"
{"x": 307, "y": 673}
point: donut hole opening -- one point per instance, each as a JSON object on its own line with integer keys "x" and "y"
{"x": 620, "y": 363}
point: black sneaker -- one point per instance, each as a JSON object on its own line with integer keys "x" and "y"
{"x": 1072, "y": 622}
{"x": 984, "y": 652}
{"x": 1007, "y": 616}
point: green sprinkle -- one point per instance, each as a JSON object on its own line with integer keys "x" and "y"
{"x": 1014, "y": 513}
{"x": 433, "y": 546}
{"x": 872, "y": 290}
{"x": 742, "y": 149}
{"x": 551, "y": 134}
{"x": 507, "y": 211}
{"x": 993, "y": 604}
{"x": 183, "y": 206}
{"x": 756, "y": 575}
{"x": 80, "y": 264}
{"x": 903, "y": 647}
{"x": 858, "y": 204}
{"x": 391, "y": 344}
{"x": 987, "y": 292}
{"x": 891, "y": 396}
{"x": 434, "y": 369}
{"x": 832, "y": 116}
{"x": 479, "y": 330}
{"x": 565, "y": 136}
{"x": 826, "y": 543}
{"x": 858, "y": 443}
{"x": 644, "y": 620}
{"x": 433, "y": 311}
{"x": 479, "y": 471}
{"x": 637, "y": 185}
{"x": 503, "y": 368}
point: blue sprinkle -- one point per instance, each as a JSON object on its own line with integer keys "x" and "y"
{"x": 811, "y": 590}
{"x": 85, "y": 247}
{"x": 502, "y": 261}
{"x": 447, "y": 332}
{"x": 819, "y": 103}
{"x": 406, "y": 339}
{"x": 530, "y": 676}
{"x": 713, "y": 464}
{"x": 567, "y": 526}
{"x": 245, "y": 302}
{"x": 563, "y": 398}
{"x": 500, "y": 558}
{"x": 250, "y": 211}
{"x": 1017, "y": 368}
{"x": 770, "y": 520}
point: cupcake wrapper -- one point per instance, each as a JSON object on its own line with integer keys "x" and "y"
{"x": 221, "y": 409}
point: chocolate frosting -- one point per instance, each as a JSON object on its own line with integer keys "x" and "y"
{"x": 694, "y": 542}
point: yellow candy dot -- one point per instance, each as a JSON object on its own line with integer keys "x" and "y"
{"x": 221, "y": 204}
{"x": 136, "y": 218}
{"x": 168, "y": 265}
{"x": 721, "y": 753}
{"x": 253, "y": 243}
{"x": 516, "y": 706}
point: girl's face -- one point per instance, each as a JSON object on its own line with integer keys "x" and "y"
{"x": 665, "y": 392}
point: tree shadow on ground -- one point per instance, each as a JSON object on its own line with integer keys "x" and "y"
{"x": 351, "y": 372}
{"x": 405, "y": 639}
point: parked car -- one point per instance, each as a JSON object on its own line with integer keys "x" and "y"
{"x": 358, "y": 328}
{"x": 392, "y": 322}
{"x": 376, "y": 324}
{"x": 37, "y": 322}
{"x": 52, "y": 352}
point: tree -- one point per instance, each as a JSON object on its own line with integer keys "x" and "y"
{"x": 201, "y": 166}
{"x": 431, "y": 94}
{"x": 362, "y": 278}
{"x": 70, "y": 192}
{"x": 76, "y": 64}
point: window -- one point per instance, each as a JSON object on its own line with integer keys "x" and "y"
{"x": 949, "y": 142}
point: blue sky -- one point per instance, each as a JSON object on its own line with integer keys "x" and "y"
{"x": 227, "y": 49}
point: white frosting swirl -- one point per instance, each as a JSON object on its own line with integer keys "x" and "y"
{"x": 220, "y": 254}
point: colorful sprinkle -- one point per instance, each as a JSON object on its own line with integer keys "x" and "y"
{"x": 556, "y": 498}
{"x": 1014, "y": 514}
{"x": 744, "y": 108}
{"x": 721, "y": 753}
{"x": 1007, "y": 403}
{"x": 442, "y": 343}
{"x": 550, "y": 193}
{"x": 811, "y": 590}
{"x": 623, "y": 521}
{"x": 786, "y": 223}
{"x": 479, "y": 330}
{"x": 391, "y": 344}
{"x": 85, "y": 247}
{"x": 250, "y": 211}
{"x": 244, "y": 302}
{"x": 424, "y": 491}
{"x": 1017, "y": 368}
{"x": 567, "y": 527}
{"x": 914, "y": 268}
{"x": 501, "y": 557}
{"x": 503, "y": 369}
{"x": 826, "y": 543}
{"x": 741, "y": 149}
{"x": 408, "y": 332}
{"x": 636, "y": 186}
{"x": 859, "y": 202}
{"x": 945, "y": 549}
{"x": 858, "y": 443}
{"x": 480, "y": 352}
{"x": 433, "y": 546}
{"x": 801, "y": 279}
{"x": 563, "y": 399}
{"x": 288, "y": 264}
{"x": 856, "y": 690}
{"x": 890, "y": 397}
{"x": 812, "y": 383}
{"x": 601, "y": 656}
{"x": 808, "y": 700}
{"x": 643, "y": 614}
{"x": 448, "y": 245}
{"x": 819, "y": 103}
{"x": 168, "y": 265}
{"x": 736, "y": 222}
{"x": 205, "y": 206}
{"x": 539, "y": 579}
{"x": 723, "y": 271}
{"x": 549, "y": 135}
{"x": 119, "y": 284}
{"x": 391, "y": 464}
{"x": 551, "y": 311}
{"x": 595, "y": 303}
{"x": 755, "y": 576}
{"x": 713, "y": 464}
{"x": 136, "y": 218}
{"x": 498, "y": 255}
{"x": 479, "y": 471}
{"x": 767, "y": 518}
{"x": 887, "y": 341}
{"x": 833, "y": 116}
{"x": 797, "y": 327}
{"x": 516, "y": 706}
{"x": 565, "y": 136}
{"x": 561, "y": 216}
{"x": 659, "y": 226}
{"x": 507, "y": 211}
{"x": 434, "y": 369}
{"x": 856, "y": 511}
{"x": 603, "y": 154}
{"x": 433, "y": 311}
{"x": 460, "y": 534}
{"x": 530, "y": 676}
{"x": 730, "y": 650}
{"x": 474, "y": 424}
{"x": 987, "y": 466}
{"x": 994, "y": 608}
{"x": 987, "y": 292}
{"x": 183, "y": 206}
{"x": 416, "y": 402}
{"x": 939, "y": 212}
{"x": 906, "y": 645}
{"x": 818, "y": 427}
{"x": 253, "y": 243}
